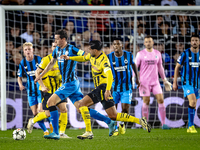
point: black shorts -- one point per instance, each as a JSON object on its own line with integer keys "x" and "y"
{"x": 97, "y": 95}
{"x": 45, "y": 97}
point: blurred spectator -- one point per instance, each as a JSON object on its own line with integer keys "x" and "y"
{"x": 80, "y": 23}
{"x": 156, "y": 26}
{"x": 44, "y": 51}
{"x": 70, "y": 32}
{"x": 179, "y": 47}
{"x": 37, "y": 50}
{"x": 14, "y": 36}
{"x": 130, "y": 29}
{"x": 9, "y": 48}
{"x": 13, "y": 65}
{"x": 52, "y": 21}
{"x": 78, "y": 40}
{"x": 47, "y": 36}
{"x": 36, "y": 39}
{"x": 76, "y": 2}
{"x": 169, "y": 2}
{"x": 150, "y": 2}
{"x": 106, "y": 48}
{"x": 28, "y": 35}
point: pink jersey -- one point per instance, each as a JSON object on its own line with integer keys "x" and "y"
{"x": 149, "y": 64}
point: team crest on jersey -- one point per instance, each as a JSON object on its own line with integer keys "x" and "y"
{"x": 143, "y": 92}
{"x": 156, "y": 56}
{"x": 66, "y": 53}
{"x": 188, "y": 91}
{"x": 125, "y": 61}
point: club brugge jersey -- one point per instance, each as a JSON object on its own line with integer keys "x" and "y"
{"x": 28, "y": 68}
{"x": 67, "y": 67}
{"x": 122, "y": 71}
{"x": 190, "y": 68}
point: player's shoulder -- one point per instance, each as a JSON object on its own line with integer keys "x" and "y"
{"x": 127, "y": 52}
{"x": 37, "y": 57}
{"x": 110, "y": 54}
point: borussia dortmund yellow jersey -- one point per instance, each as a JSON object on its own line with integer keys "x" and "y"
{"x": 52, "y": 79}
{"x": 99, "y": 66}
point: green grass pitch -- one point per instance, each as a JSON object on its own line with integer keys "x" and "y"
{"x": 133, "y": 139}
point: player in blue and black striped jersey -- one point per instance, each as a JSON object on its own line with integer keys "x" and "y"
{"x": 70, "y": 83}
{"x": 27, "y": 67}
{"x": 122, "y": 65}
{"x": 190, "y": 62}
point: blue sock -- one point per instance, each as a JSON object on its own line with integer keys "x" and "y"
{"x": 42, "y": 126}
{"x": 116, "y": 127}
{"x": 96, "y": 115}
{"x": 54, "y": 119}
{"x": 191, "y": 113}
{"x": 49, "y": 120}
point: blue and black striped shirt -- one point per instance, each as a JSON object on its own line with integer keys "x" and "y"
{"x": 67, "y": 67}
{"x": 122, "y": 71}
{"x": 190, "y": 68}
{"x": 28, "y": 68}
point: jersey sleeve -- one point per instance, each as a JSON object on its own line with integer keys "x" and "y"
{"x": 160, "y": 59}
{"x": 181, "y": 59}
{"x": 106, "y": 65}
{"x": 20, "y": 71}
{"x": 137, "y": 60}
{"x": 44, "y": 62}
{"x": 87, "y": 57}
{"x": 54, "y": 53}
{"x": 77, "y": 52}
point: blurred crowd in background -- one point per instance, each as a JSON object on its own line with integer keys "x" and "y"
{"x": 171, "y": 31}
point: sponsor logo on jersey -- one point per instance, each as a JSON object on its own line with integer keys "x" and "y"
{"x": 121, "y": 68}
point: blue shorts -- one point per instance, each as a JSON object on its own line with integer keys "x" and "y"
{"x": 188, "y": 89}
{"x": 71, "y": 90}
{"x": 33, "y": 100}
{"x": 124, "y": 97}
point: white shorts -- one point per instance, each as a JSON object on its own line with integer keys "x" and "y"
{"x": 145, "y": 90}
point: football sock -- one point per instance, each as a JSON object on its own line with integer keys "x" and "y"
{"x": 54, "y": 118}
{"x": 127, "y": 118}
{"x": 63, "y": 122}
{"x": 42, "y": 125}
{"x": 40, "y": 116}
{"x": 191, "y": 113}
{"x": 86, "y": 117}
{"x": 162, "y": 111}
{"x": 96, "y": 115}
{"x": 145, "y": 111}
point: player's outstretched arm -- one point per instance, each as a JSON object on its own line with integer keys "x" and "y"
{"x": 109, "y": 75}
{"x": 176, "y": 70}
{"x": 37, "y": 73}
{"x": 48, "y": 67}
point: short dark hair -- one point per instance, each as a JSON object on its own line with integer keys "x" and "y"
{"x": 195, "y": 35}
{"x": 117, "y": 39}
{"x": 148, "y": 36}
{"x": 96, "y": 44}
{"x": 62, "y": 33}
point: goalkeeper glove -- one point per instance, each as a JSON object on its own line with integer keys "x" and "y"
{"x": 168, "y": 85}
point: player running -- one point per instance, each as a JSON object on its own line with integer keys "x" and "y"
{"x": 122, "y": 65}
{"x": 50, "y": 82}
{"x": 189, "y": 61}
{"x": 149, "y": 62}
{"x": 70, "y": 84}
{"x": 103, "y": 78}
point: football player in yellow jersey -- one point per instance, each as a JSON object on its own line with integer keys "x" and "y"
{"x": 50, "y": 82}
{"x": 103, "y": 78}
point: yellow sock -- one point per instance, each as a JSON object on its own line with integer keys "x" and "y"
{"x": 127, "y": 118}
{"x": 63, "y": 122}
{"x": 86, "y": 117}
{"x": 40, "y": 116}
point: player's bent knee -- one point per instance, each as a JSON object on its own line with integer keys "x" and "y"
{"x": 192, "y": 103}
{"x": 160, "y": 101}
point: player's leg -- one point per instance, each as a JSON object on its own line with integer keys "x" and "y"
{"x": 83, "y": 108}
{"x": 112, "y": 113}
{"x": 191, "y": 113}
{"x": 33, "y": 102}
{"x": 77, "y": 96}
{"x": 63, "y": 119}
{"x": 144, "y": 91}
{"x": 126, "y": 98}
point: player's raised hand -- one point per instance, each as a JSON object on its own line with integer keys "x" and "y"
{"x": 44, "y": 89}
{"x": 64, "y": 57}
{"x": 175, "y": 86}
{"x": 22, "y": 87}
{"x": 108, "y": 95}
